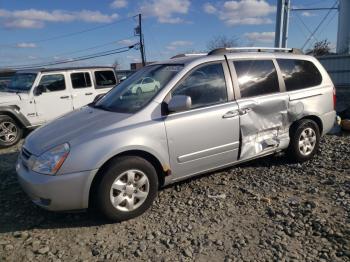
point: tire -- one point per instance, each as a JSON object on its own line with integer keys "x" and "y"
{"x": 156, "y": 89}
{"x": 304, "y": 140}
{"x": 117, "y": 174}
{"x": 10, "y": 131}
{"x": 139, "y": 91}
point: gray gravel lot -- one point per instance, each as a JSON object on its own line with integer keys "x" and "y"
{"x": 265, "y": 210}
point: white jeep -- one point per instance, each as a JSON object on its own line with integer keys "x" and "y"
{"x": 33, "y": 98}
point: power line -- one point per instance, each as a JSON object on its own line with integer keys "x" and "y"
{"x": 329, "y": 21}
{"x": 81, "y": 58}
{"x": 307, "y": 28}
{"x": 319, "y": 25}
{"x": 85, "y": 49}
{"x": 73, "y": 33}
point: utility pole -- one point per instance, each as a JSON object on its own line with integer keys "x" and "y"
{"x": 142, "y": 48}
{"x": 282, "y": 22}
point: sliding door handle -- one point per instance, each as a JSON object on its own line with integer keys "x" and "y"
{"x": 230, "y": 114}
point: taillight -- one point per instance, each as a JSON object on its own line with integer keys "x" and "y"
{"x": 334, "y": 97}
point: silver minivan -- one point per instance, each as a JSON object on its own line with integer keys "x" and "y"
{"x": 208, "y": 111}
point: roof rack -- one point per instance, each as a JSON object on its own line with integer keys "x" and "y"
{"x": 254, "y": 49}
{"x": 187, "y": 55}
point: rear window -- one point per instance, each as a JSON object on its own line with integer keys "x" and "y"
{"x": 105, "y": 78}
{"x": 80, "y": 80}
{"x": 299, "y": 74}
{"x": 256, "y": 77}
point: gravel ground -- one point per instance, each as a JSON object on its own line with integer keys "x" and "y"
{"x": 264, "y": 210}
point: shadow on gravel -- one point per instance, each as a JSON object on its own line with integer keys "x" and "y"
{"x": 18, "y": 213}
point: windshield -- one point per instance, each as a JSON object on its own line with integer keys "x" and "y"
{"x": 21, "y": 82}
{"x": 139, "y": 89}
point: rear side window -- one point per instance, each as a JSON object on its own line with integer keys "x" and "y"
{"x": 52, "y": 83}
{"x": 205, "y": 85}
{"x": 256, "y": 77}
{"x": 299, "y": 74}
{"x": 105, "y": 78}
{"x": 80, "y": 80}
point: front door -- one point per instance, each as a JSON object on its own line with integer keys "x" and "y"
{"x": 83, "y": 92}
{"x": 55, "y": 99}
{"x": 263, "y": 108}
{"x": 206, "y": 136}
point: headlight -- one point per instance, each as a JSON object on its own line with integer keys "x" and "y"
{"x": 51, "y": 161}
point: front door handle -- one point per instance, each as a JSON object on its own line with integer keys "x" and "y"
{"x": 230, "y": 114}
{"x": 64, "y": 97}
{"x": 88, "y": 94}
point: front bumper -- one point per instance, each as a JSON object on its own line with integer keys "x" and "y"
{"x": 56, "y": 193}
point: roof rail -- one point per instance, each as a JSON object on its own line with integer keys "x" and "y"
{"x": 254, "y": 49}
{"x": 187, "y": 55}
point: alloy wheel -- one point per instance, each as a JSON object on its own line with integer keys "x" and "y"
{"x": 8, "y": 132}
{"x": 307, "y": 141}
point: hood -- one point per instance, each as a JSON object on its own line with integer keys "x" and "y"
{"x": 9, "y": 97}
{"x": 71, "y": 128}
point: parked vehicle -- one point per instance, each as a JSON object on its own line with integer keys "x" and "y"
{"x": 210, "y": 111}
{"x": 144, "y": 85}
{"x": 33, "y": 98}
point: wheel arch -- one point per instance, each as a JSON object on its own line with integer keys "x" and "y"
{"x": 161, "y": 170}
{"x": 13, "y": 112}
{"x": 315, "y": 118}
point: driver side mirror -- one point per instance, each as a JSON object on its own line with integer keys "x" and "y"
{"x": 39, "y": 90}
{"x": 179, "y": 103}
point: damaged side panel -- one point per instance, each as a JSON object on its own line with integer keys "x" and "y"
{"x": 264, "y": 124}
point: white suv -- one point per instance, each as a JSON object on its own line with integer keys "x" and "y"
{"x": 33, "y": 98}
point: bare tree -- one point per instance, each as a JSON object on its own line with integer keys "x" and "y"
{"x": 222, "y": 41}
{"x": 321, "y": 48}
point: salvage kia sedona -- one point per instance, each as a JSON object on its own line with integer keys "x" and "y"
{"x": 209, "y": 111}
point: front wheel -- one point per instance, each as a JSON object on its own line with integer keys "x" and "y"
{"x": 304, "y": 140}
{"x": 10, "y": 131}
{"x": 128, "y": 188}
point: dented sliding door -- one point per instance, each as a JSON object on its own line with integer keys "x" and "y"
{"x": 263, "y": 107}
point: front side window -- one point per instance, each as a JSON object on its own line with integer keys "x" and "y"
{"x": 80, "y": 80}
{"x": 256, "y": 77}
{"x": 205, "y": 85}
{"x": 131, "y": 95}
{"x": 21, "y": 82}
{"x": 105, "y": 78}
{"x": 299, "y": 74}
{"x": 52, "y": 83}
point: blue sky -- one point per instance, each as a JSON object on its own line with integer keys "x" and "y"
{"x": 170, "y": 27}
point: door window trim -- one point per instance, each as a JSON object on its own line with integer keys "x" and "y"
{"x": 228, "y": 83}
{"x": 80, "y": 72}
{"x": 96, "y": 86}
{"x": 66, "y": 85}
{"x": 237, "y": 91}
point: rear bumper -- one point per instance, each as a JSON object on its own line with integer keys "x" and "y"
{"x": 328, "y": 121}
{"x": 56, "y": 193}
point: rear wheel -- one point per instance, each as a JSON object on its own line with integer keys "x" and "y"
{"x": 304, "y": 140}
{"x": 128, "y": 188}
{"x": 10, "y": 131}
